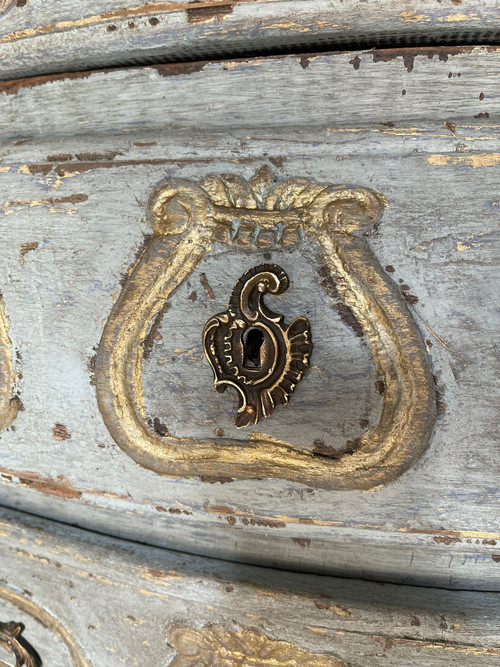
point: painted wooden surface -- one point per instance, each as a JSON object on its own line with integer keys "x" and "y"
{"x": 73, "y": 221}
{"x": 300, "y": 92}
{"x": 38, "y": 37}
{"x": 113, "y": 602}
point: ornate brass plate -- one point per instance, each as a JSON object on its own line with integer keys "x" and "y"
{"x": 187, "y": 219}
{"x": 250, "y": 348}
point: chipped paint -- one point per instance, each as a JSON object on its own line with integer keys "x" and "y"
{"x": 451, "y": 18}
{"x": 473, "y": 534}
{"x": 469, "y": 160}
{"x": 59, "y": 487}
{"x": 24, "y": 248}
{"x": 142, "y": 10}
{"x": 60, "y": 432}
{"x": 469, "y": 245}
{"x": 414, "y": 17}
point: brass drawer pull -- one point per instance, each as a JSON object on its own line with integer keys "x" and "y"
{"x": 11, "y": 638}
{"x": 251, "y": 349}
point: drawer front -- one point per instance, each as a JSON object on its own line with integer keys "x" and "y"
{"x": 385, "y": 230}
{"x": 88, "y": 600}
{"x": 39, "y": 38}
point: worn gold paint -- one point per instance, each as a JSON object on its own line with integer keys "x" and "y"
{"x": 413, "y": 17}
{"x": 9, "y": 404}
{"x": 98, "y": 577}
{"x": 322, "y": 603}
{"x": 216, "y": 645}
{"x": 468, "y": 245}
{"x": 46, "y": 619}
{"x": 318, "y": 631}
{"x": 187, "y": 218}
{"x": 149, "y": 593}
{"x": 451, "y": 18}
{"x": 9, "y": 207}
{"x": 473, "y": 160}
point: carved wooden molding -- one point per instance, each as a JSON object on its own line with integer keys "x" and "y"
{"x": 215, "y": 646}
{"x": 9, "y": 404}
{"x": 187, "y": 218}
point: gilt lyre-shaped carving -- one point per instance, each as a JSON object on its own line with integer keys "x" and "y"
{"x": 188, "y": 219}
{"x": 252, "y": 350}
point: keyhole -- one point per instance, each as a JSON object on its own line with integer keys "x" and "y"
{"x": 252, "y": 342}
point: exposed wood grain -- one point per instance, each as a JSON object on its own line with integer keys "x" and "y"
{"x": 78, "y": 577}
{"x": 38, "y": 37}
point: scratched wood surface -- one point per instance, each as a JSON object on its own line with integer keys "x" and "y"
{"x": 39, "y": 37}
{"x": 118, "y": 602}
{"x": 73, "y": 220}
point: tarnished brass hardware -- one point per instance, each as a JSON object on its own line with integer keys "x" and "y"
{"x": 251, "y": 349}
{"x": 11, "y": 638}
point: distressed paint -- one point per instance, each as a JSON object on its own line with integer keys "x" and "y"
{"x": 169, "y": 606}
{"x": 440, "y": 84}
{"x": 438, "y": 520}
{"x": 39, "y": 37}
{"x": 9, "y": 403}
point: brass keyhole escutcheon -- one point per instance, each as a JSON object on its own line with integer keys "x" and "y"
{"x": 251, "y": 349}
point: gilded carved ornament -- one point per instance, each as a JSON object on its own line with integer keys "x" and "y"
{"x": 216, "y": 646}
{"x": 187, "y": 218}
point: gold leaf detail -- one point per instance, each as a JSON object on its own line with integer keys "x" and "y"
{"x": 216, "y": 646}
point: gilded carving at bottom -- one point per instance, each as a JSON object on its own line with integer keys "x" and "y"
{"x": 216, "y": 646}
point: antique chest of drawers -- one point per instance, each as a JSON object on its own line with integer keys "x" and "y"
{"x": 249, "y": 278}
